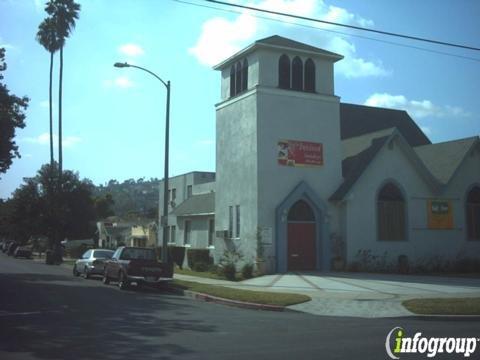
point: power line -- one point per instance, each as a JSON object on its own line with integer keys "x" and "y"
{"x": 345, "y": 25}
{"x": 331, "y": 31}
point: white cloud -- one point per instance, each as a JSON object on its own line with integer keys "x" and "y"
{"x": 352, "y": 66}
{"x": 121, "y": 81}
{"x": 426, "y": 130}
{"x": 416, "y": 108}
{"x": 131, "y": 50}
{"x": 220, "y": 38}
{"x": 44, "y": 139}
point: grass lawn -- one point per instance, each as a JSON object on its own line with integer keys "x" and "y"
{"x": 204, "y": 274}
{"x": 259, "y": 297}
{"x": 452, "y": 306}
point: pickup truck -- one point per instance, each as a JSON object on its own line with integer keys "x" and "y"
{"x": 137, "y": 265}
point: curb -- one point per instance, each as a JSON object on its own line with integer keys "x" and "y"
{"x": 218, "y": 300}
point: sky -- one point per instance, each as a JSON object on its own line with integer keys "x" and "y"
{"x": 114, "y": 119}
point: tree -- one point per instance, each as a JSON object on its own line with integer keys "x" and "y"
{"x": 64, "y": 13}
{"x": 104, "y": 206}
{"x": 47, "y": 37}
{"x": 12, "y": 116}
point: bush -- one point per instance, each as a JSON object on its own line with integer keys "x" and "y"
{"x": 229, "y": 271}
{"x": 77, "y": 251}
{"x": 200, "y": 266}
{"x": 247, "y": 271}
{"x": 177, "y": 253}
{"x": 195, "y": 256}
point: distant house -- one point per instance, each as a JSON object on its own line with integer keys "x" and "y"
{"x": 141, "y": 232}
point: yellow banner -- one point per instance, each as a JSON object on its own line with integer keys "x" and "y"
{"x": 440, "y": 214}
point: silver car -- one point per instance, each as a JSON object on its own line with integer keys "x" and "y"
{"x": 92, "y": 262}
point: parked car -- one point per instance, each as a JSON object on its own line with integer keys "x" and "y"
{"x": 6, "y": 245}
{"x": 11, "y": 248}
{"x": 92, "y": 262}
{"x": 137, "y": 265}
{"x": 23, "y": 251}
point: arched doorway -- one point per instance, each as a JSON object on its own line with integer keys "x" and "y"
{"x": 301, "y": 249}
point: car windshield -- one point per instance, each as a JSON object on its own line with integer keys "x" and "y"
{"x": 138, "y": 254}
{"x": 102, "y": 254}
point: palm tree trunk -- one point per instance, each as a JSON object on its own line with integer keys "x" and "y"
{"x": 60, "y": 155}
{"x": 51, "y": 110}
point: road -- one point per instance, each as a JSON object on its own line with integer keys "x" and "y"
{"x": 46, "y": 313}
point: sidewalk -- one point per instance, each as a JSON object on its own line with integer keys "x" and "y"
{"x": 357, "y": 295}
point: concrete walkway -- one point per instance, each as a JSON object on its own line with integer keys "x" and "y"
{"x": 355, "y": 294}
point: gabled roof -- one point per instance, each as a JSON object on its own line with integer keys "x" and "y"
{"x": 354, "y": 166}
{"x": 196, "y": 205}
{"x": 281, "y": 43}
{"x": 356, "y": 120}
{"x": 355, "y": 145}
{"x": 443, "y": 159}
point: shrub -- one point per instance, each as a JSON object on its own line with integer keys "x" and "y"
{"x": 229, "y": 271}
{"x": 177, "y": 254}
{"x": 195, "y": 256}
{"x": 200, "y": 266}
{"x": 77, "y": 251}
{"x": 247, "y": 271}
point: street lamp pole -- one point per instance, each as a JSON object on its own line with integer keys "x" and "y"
{"x": 164, "y": 218}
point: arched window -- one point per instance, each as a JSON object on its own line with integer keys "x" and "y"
{"x": 238, "y": 80}
{"x": 309, "y": 76}
{"x": 232, "y": 81}
{"x": 284, "y": 72}
{"x": 245, "y": 75}
{"x": 473, "y": 213}
{"x": 301, "y": 211}
{"x": 391, "y": 213}
{"x": 297, "y": 74}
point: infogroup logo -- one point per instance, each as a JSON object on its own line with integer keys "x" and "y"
{"x": 398, "y": 343}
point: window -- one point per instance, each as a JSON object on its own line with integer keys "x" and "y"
{"x": 309, "y": 80}
{"x": 284, "y": 72}
{"x": 237, "y": 221}
{"x": 391, "y": 213}
{"x": 169, "y": 196}
{"x": 189, "y": 191}
{"x": 473, "y": 214}
{"x": 244, "y": 75}
{"x": 187, "y": 232}
{"x": 230, "y": 222}
{"x": 172, "y": 233}
{"x": 211, "y": 231}
{"x": 297, "y": 74}
{"x": 301, "y": 211}
{"x": 174, "y": 194}
{"x": 232, "y": 81}
{"x": 238, "y": 79}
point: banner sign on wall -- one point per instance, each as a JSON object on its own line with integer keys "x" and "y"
{"x": 300, "y": 153}
{"x": 440, "y": 214}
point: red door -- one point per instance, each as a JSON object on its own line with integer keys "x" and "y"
{"x": 301, "y": 246}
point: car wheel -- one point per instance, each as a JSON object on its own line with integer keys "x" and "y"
{"x": 86, "y": 274}
{"x": 122, "y": 281}
{"x": 75, "y": 271}
{"x": 106, "y": 279}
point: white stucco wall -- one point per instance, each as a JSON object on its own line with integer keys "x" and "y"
{"x": 422, "y": 244}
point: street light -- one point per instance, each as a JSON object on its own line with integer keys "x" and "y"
{"x": 164, "y": 219}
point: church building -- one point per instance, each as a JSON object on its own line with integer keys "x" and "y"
{"x": 310, "y": 183}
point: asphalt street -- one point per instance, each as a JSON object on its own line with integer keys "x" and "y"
{"x": 46, "y": 313}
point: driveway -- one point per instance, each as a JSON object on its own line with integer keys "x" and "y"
{"x": 363, "y": 295}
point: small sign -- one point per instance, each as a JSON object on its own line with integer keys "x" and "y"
{"x": 266, "y": 235}
{"x": 440, "y": 214}
{"x": 299, "y": 153}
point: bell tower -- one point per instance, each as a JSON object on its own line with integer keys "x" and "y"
{"x": 277, "y": 127}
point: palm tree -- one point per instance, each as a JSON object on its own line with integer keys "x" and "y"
{"x": 47, "y": 37}
{"x": 64, "y": 13}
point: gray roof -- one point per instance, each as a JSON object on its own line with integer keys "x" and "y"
{"x": 283, "y": 42}
{"x": 443, "y": 159}
{"x": 356, "y": 120}
{"x": 354, "y": 166}
{"x": 355, "y": 145}
{"x": 195, "y": 205}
